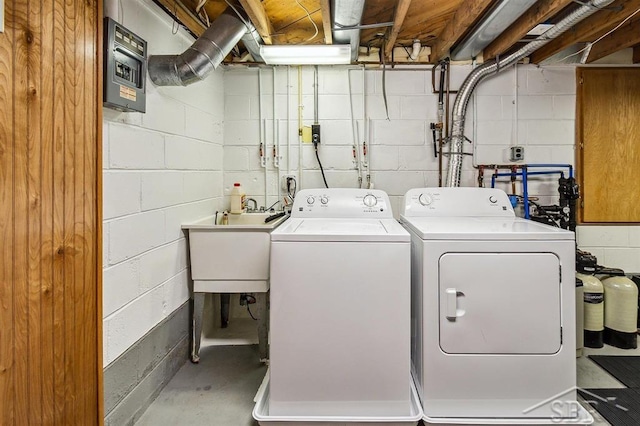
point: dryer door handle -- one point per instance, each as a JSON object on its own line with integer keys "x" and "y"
{"x": 451, "y": 304}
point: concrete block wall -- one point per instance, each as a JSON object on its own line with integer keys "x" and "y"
{"x": 615, "y": 246}
{"x": 161, "y": 169}
{"x": 528, "y": 106}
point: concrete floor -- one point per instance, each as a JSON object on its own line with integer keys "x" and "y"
{"x": 220, "y": 390}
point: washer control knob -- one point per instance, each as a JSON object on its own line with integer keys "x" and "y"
{"x": 311, "y": 200}
{"x": 370, "y": 200}
{"x": 493, "y": 199}
{"x": 324, "y": 200}
{"x": 425, "y": 199}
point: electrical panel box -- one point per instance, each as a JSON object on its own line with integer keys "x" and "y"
{"x": 125, "y": 68}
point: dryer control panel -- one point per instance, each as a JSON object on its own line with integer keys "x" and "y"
{"x": 342, "y": 203}
{"x": 457, "y": 202}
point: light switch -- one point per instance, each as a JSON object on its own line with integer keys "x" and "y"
{"x": 1, "y": 16}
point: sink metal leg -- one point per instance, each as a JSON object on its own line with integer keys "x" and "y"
{"x": 225, "y": 301}
{"x": 196, "y": 326}
{"x": 263, "y": 326}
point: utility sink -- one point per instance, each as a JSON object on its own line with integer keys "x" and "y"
{"x": 231, "y": 258}
{"x": 233, "y": 255}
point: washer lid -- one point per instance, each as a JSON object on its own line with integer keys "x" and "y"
{"x": 483, "y": 228}
{"x": 347, "y": 229}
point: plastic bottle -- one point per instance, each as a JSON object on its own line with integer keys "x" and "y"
{"x": 237, "y": 199}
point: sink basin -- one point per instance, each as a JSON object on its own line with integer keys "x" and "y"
{"x": 237, "y": 221}
{"x": 231, "y": 258}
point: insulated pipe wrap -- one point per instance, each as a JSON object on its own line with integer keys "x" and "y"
{"x": 204, "y": 55}
{"x": 454, "y": 171}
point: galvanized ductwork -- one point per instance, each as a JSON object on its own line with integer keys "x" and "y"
{"x": 495, "y": 66}
{"x": 347, "y": 13}
{"x": 206, "y": 53}
{"x": 497, "y": 19}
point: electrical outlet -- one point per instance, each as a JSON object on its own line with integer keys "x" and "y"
{"x": 315, "y": 134}
{"x": 284, "y": 180}
{"x": 517, "y": 153}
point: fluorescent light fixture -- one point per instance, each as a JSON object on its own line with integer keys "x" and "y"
{"x": 322, "y": 54}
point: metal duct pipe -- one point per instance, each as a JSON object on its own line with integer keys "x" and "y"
{"x": 347, "y": 13}
{"x": 252, "y": 41}
{"x": 205, "y": 54}
{"x": 496, "y": 20}
{"x": 495, "y": 66}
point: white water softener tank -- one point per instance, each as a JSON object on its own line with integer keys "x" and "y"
{"x": 579, "y": 317}
{"x": 620, "y": 312}
{"x": 593, "y": 310}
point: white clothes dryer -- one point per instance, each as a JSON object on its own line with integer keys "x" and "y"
{"x": 340, "y": 308}
{"x": 493, "y": 311}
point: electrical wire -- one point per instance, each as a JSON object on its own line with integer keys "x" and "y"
{"x": 202, "y": 12}
{"x": 250, "y": 313}
{"x": 200, "y": 5}
{"x": 249, "y": 300}
{"x": 175, "y": 26}
{"x": 384, "y": 79}
{"x": 320, "y": 164}
{"x": 314, "y": 24}
{"x": 590, "y": 45}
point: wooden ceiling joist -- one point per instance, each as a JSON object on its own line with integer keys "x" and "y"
{"x": 259, "y": 18}
{"x": 588, "y": 29}
{"x": 466, "y": 15}
{"x": 398, "y": 19}
{"x": 325, "y": 8}
{"x": 626, "y": 36}
{"x": 538, "y": 13}
{"x": 184, "y": 15}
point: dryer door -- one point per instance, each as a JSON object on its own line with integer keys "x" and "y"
{"x": 500, "y": 303}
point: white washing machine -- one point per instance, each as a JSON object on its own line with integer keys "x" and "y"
{"x": 340, "y": 308}
{"x": 493, "y": 311}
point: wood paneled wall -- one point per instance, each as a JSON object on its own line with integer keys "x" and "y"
{"x": 608, "y": 142}
{"x": 50, "y": 214}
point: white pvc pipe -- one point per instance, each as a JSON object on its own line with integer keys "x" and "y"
{"x": 288, "y": 120}
{"x": 300, "y": 106}
{"x": 365, "y": 127}
{"x": 354, "y": 133}
{"x": 263, "y": 139}
{"x": 276, "y": 149}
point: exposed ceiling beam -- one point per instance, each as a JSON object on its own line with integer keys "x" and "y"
{"x": 636, "y": 54}
{"x": 325, "y": 8}
{"x": 539, "y": 12}
{"x": 588, "y": 29}
{"x": 468, "y": 12}
{"x": 259, "y": 18}
{"x": 626, "y": 36}
{"x": 183, "y": 14}
{"x": 398, "y": 19}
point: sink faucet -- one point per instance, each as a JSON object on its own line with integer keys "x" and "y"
{"x": 255, "y": 205}
{"x": 272, "y": 206}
